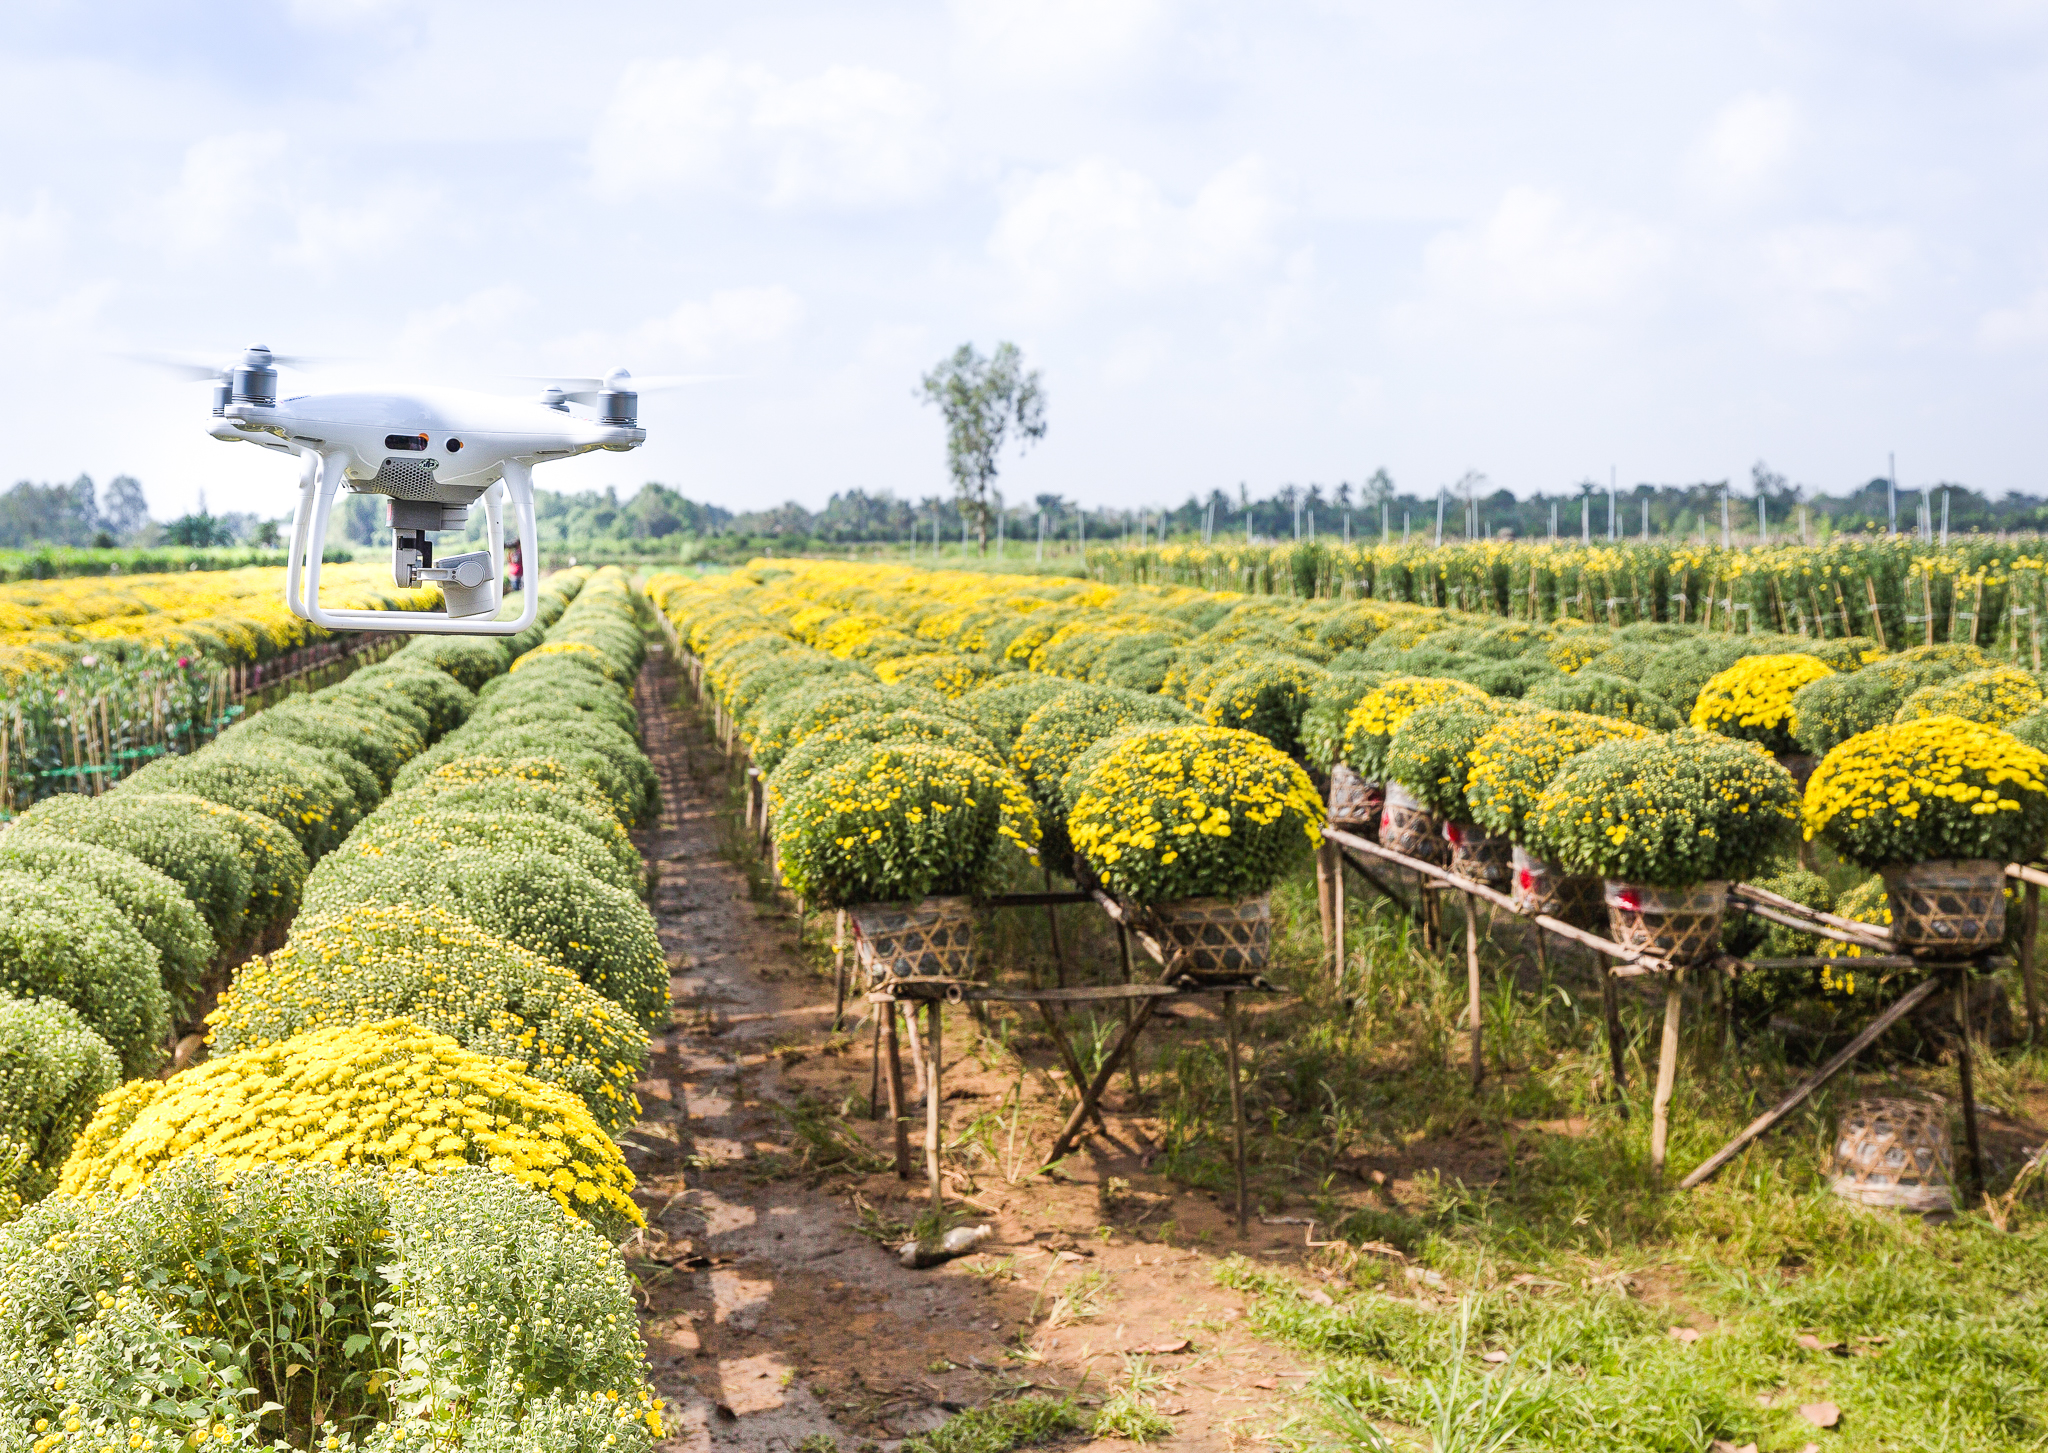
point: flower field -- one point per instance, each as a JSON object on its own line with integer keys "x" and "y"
{"x": 880, "y": 700}
{"x": 100, "y": 675}
{"x": 1898, "y": 591}
{"x": 404, "y": 911}
{"x": 408, "y": 910}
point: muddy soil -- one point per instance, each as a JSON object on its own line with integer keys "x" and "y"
{"x": 772, "y": 1319}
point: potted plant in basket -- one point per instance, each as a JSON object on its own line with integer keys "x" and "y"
{"x": 1667, "y": 821}
{"x": 1428, "y": 757}
{"x": 901, "y": 835}
{"x": 1938, "y": 806}
{"x": 1406, "y": 825}
{"x": 1752, "y": 701}
{"x": 1511, "y": 764}
{"x": 1197, "y": 824}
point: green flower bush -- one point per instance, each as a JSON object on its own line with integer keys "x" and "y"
{"x": 172, "y": 833}
{"x": 1194, "y": 812}
{"x": 793, "y": 717}
{"x": 1431, "y": 752}
{"x": 445, "y": 974}
{"x": 154, "y": 906}
{"x": 605, "y": 934}
{"x": 999, "y": 709}
{"x": 901, "y": 821}
{"x": 1369, "y": 729}
{"x": 416, "y": 833}
{"x": 1595, "y": 693}
{"x": 609, "y": 757}
{"x": 850, "y": 736}
{"x": 1329, "y": 707}
{"x": 433, "y": 701}
{"x": 1268, "y": 698}
{"x": 62, "y": 941}
{"x": 53, "y": 1069}
{"x": 280, "y": 1310}
{"x": 1994, "y": 696}
{"x": 298, "y": 787}
{"x": 459, "y": 788}
{"x": 471, "y": 660}
{"x": 1519, "y": 755}
{"x": 1938, "y": 787}
{"x": 559, "y": 697}
{"x": 366, "y": 733}
{"x": 1666, "y": 811}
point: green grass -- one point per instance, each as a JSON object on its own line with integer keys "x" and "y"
{"x": 997, "y": 1428}
{"x": 1944, "y": 1328}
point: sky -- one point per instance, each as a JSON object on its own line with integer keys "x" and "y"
{"x": 1245, "y": 243}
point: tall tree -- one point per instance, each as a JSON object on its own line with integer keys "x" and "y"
{"x": 985, "y": 400}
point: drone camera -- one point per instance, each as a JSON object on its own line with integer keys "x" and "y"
{"x": 414, "y": 442}
{"x": 467, "y": 581}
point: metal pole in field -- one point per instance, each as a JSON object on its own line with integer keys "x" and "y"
{"x": 1586, "y": 519}
{"x": 1727, "y": 529}
{"x": 1646, "y": 519}
{"x": 1439, "y": 519}
{"x": 1553, "y": 519}
{"x": 1386, "y": 528}
{"x": 1944, "y": 517}
{"x": 1891, "y": 492}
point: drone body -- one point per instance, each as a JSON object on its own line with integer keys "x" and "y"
{"x": 433, "y": 453}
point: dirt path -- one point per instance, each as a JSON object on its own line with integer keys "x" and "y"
{"x": 772, "y": 1321}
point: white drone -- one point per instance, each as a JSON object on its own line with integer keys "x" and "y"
{"x": 432, "y": 453}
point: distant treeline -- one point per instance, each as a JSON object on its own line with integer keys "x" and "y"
{"x": 659, "y": 522}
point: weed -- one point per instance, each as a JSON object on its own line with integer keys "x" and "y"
{"x": 818, "y": 1443}
{"x": 1129, "y": 1411}
{"x": 823, "y": 1141}
{"x": 999, "y": 1427}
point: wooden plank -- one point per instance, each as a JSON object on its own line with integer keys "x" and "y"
{"x": 1900, "y": 1007}
{"x": 1631, "y": 962}
{"x": 1820, "y": 930}
{"x": 1751, "y": 895}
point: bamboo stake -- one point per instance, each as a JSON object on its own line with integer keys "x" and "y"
{"x": 1876, "y": 615}
{"x": 896, "y": 1096}
{"x": 1967, "y": 1080}
{"x": 1667, "y": 1072}
{"x": 1472, "y": 999}
{"x": 1236, "y": 1101}
{"x": 2027, "y": 942}
{"x": 1617, "y": 1060}
{"x": 931, "y": 1108}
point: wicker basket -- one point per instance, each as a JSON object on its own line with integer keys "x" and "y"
{"x": 1538, "y": 887}
{"x": 899, "y": 940}
{"x": 1895, "y": 1153}
{"x": 1407, "y": 827}
{"x": 1951, "y": 908}
{"x": 1478, "y": 854}
{"x": 1227, "y": 940}
{"x": 1355, "y": 804}
{"x": 1679, "y": 925}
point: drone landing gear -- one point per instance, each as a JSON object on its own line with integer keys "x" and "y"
{"x": 469, "y": 582}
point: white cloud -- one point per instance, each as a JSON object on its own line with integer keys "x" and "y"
{"x": 1535, "y": 254}
{"x": 1745, "y": 150}
{"x": 224, "y": 184}
{"x": 1096, "y": 226}
{"x": 36, "y": 230}
{"x": 848, "y": 136}
{"x": 720, "y": 330}
{"x": 2023, "y": 324}
{"x": 1836, "y": 264}
{"x": 429, "y": 333}
{"x": 1055, "y": 40}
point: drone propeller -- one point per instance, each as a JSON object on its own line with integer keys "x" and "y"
{"x": 192, "y": 366}
{"x": 585, "y": 390}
